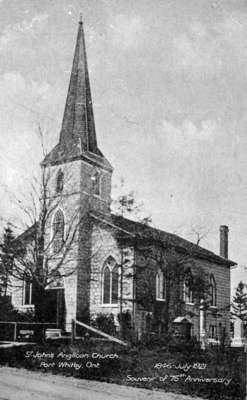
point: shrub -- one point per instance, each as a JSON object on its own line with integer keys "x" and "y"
{"x": 105, "y": 323}
{"x": 126, "y": 324}
{"x": 7, "y": 311}
{"x": 9, "y": 314}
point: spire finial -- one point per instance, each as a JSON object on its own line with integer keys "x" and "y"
{"x": 80, "y": 20}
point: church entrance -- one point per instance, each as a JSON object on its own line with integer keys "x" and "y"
{"x": 55, "y": 311}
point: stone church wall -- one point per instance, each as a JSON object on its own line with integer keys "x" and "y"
{"x": 216, "y": 316}
{"x": 104, "y": 244}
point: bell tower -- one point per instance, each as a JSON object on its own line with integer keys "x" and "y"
{"x": 79, "y": 183}
{"x": 78, "y": 141}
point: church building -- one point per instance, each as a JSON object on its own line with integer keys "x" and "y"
{"x": 107, "y": 264}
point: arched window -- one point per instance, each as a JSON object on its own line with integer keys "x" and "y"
{"x": 59, "y": 181}
{"x": 212, "y": 288}
{"x": 27, "y": 292}
{"x": 110, "y": 278}
{"x": 58, "y": 231}
{"x": 188, "y": 292}
{"x": 114, "y": 291}
{"x": 106, "y": 285}
{"x": 160, "y": 285}
{"x": 96, "y": 183}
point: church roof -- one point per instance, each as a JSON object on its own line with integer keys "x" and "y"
{"x": 135, "y": 230}
{"x": 78, "y": 134}
{"x": 139, "y": 232}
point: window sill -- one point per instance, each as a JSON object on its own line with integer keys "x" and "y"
{"x": 27, "y": 306}
{"x": 110, "y": 305}
{"x": 213, "y": 341}
{"x": 189, "y": 304}
{"x": 157, "y": 299}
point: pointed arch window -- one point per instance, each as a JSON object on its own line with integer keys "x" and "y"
{"x": 110, "y": 282}
{"x": 27, "y": 292}
{"x": 160, "y": 286}
{"x": 106, "y": 285}
{"x": 213, "y": 294}
{"x": 59, "y": 181}
{"x": 96, "y": 183}
{"x": 58, "y": 231}
{"x": 188, "y": 292}
{"x": 114, "y": 291}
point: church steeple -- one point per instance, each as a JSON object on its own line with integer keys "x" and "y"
{"x": 78, "y": 134}
{"x": 78, "y": 120}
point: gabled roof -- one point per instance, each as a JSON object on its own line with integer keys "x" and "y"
{"x": 78, "y": 134}
{"x": 131, "y": 229}
{"x": 128, "y": 229}
{"x": 28, "y": 235}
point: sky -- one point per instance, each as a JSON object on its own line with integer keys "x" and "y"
{"x": 169, "y": 88}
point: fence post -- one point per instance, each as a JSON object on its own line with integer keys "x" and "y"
{"x": 15, "y": 331}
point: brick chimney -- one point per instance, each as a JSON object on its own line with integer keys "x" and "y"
{"x": 224, "y": 241}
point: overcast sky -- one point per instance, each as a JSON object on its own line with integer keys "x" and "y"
{"x": 169, "y": 87}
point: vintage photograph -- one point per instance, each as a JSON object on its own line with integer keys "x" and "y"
{"x": 123, "y": 186}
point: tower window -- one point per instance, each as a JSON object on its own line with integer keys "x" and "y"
{"x": 110, "y": 278}
{"x": 212, "y": 288}
{"x": 59, "y": 181}
{"x": 58, "y": 231}
{"x": 96, "y": 183}
{"x": 160, "y": 286}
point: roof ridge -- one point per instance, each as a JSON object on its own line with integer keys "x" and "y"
{"x": 199, "y": 249}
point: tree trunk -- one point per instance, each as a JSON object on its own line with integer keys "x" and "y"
{"x": 39, "y": 301}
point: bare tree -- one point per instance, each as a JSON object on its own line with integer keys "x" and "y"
{"x": 44, "y": 251}
{"x": 127, "y": 206}
{"x": 199, "y": 232}
{"x": 40, "y": 258}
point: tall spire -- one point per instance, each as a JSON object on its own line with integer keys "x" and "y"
{"x": 78, "y": 120}
{"x": 78, "y": 136}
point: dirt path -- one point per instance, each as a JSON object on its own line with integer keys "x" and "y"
{"x": 19, "y": 384}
